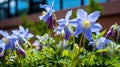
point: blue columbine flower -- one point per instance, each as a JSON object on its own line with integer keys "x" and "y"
{"x": 86, "y": 24}
{"x": 22, "y": 35}
{"x": 47, "y": 15}
{"x": 7, "y": 42}
{"x": 100, "y": 43}
{"x": 65, "y": 25}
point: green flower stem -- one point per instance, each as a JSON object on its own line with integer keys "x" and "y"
{"x": 73, "y": 40}
{"x": 90, "y": 55}
{"x": 113, "y": 48}
{"x": 62, "y": 45}
{"x": 83, "y": 43}
{"x": 77, "y": 57}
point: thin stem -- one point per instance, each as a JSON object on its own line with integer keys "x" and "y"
{"x": 113, "y": 49}
{"x": 77, "y": 57}
{"x": 62, "y": 45}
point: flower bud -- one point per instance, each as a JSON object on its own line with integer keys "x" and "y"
{"x": 113, "y": 32}
{"x": 21, "y": 51}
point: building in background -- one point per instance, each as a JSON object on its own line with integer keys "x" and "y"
{"x": 13, "y": 8}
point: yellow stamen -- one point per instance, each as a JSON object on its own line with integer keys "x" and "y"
{"x": 43, "y": 12}
{"x": 5, "y": 40}
{"x": 86, "y": 24}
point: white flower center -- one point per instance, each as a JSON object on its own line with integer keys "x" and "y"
{"x": 96, "y": 43}
{"x": 43, "y": 12}
{"x": 86, "y": 24}
{"x": 6, "y": 41}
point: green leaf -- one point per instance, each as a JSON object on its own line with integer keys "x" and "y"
{"x": 104, "y": 50}
{"x": 101, "y": 34}
{"x": 93, "y": 36}
{"x": 116, "y": 64}
{"x": 91, "y": 59}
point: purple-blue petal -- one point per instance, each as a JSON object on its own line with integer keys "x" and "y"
{"x": 69, "y": 13}
{"x": 81, "y": 14}
{"x": 60, "y": 28}
{"x": 93, "y": 16}
{"x": 67, "y": 33}
{"x": 4, "y": 33}
{"x": 100, "y": 46}
{"x": 109, "y": 33}
{"x": 46, "y": 7}
{"x": 50, "y": 23}
{"x": 96, "y": 27}
{"x": 21, "y": 29}
{"x": 61, "y": 22}
{"x": 88, "y": 33}
{"x": 79, "y": 29}
{"x": 73, "y": 22}
{"x": 44, "y": 17}
{"x": 91, "y": 43}
{"x": 21, "y": 51}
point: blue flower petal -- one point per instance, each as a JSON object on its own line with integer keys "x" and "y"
{"x": 93, "y": 16}
{"x": 59, "y": 29}
{"x": 100, "y": 46}
{"x": 4, "y": 33}
{"x": 61, "y": 22}
{"x": 88, "y": 33}
{"x": 69, "y": 13}
{"x": 107, "y": 41}
{"x": 91, "y": 43}
{"x": 79, "y": 29}
{"x": 81, "y": 14}
{"x": 21, "y": 29}
{"x": 67, "y": 33}
{"x": 96, "y": 27}
{"x": 73, "y": 22}
{"x": 44, "y": 17}
{"x": 30, "y": 35}
{"x": 52, "y": 7}
{"x": 46, "y": 7}
{"x": 102, "y": 39}
{"x": 50, "y": 23}
{"x": 2, "y": 44}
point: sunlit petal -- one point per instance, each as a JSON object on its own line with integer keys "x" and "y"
{"x": 79, "y": 29}
{"x": 93, "y": 16}
{"x": 69, "y": 13}
{"x": 81, "y": 14}
{"x": 88, "y": 33}
{"x": 96, "y": 27}
{"x": 73, "y": 22}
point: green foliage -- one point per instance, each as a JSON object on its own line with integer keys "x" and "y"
{"x": 93, "y": 6}
{"x": 35, "y": 27}
{"x": 101, "y": 34}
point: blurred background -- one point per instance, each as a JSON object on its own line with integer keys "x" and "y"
{"x": 13, "y": 8}
{"x": 26, "y": 12}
